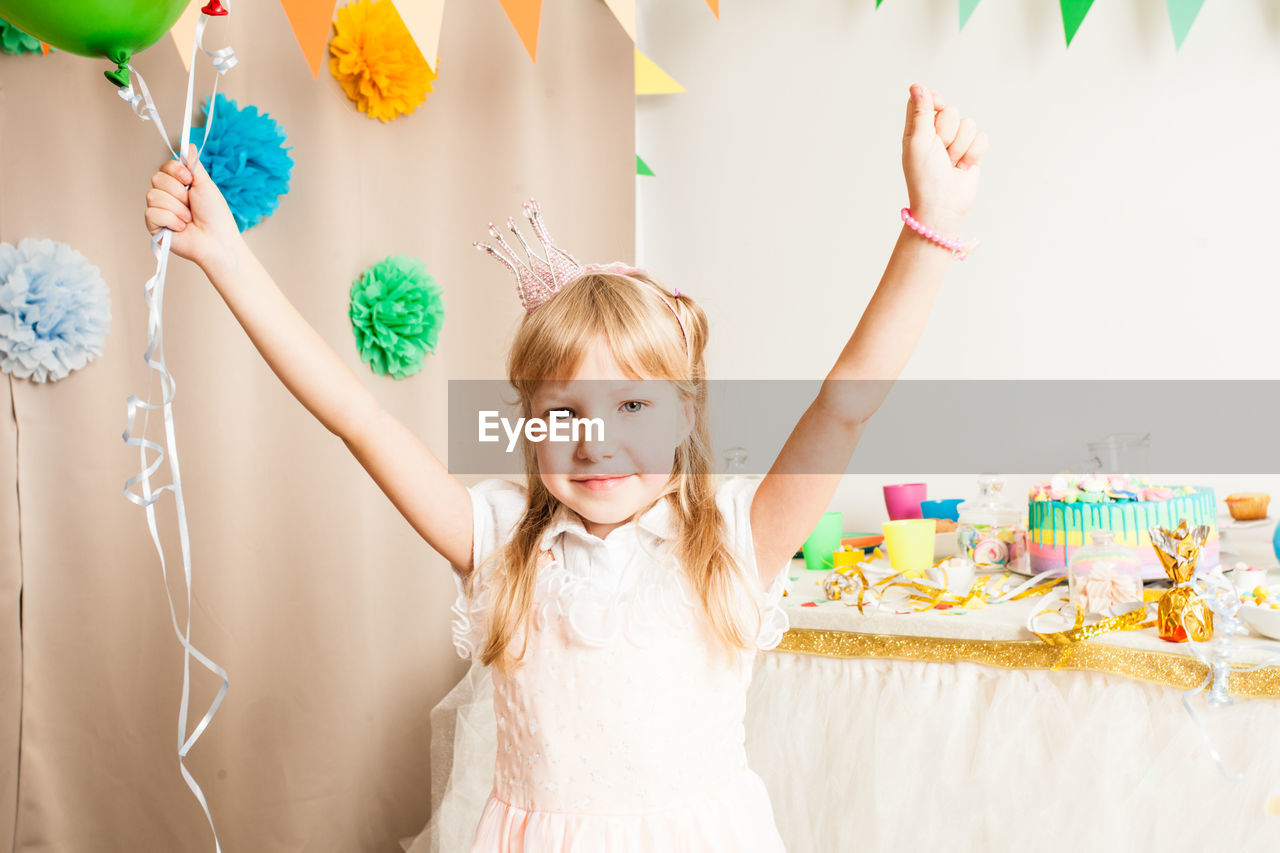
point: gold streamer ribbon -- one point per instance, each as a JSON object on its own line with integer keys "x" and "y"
{"x": 1133, "y": 620}
{"x": 850, "y": 581}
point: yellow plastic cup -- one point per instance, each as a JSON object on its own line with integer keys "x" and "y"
{"x": 910, "y": 544}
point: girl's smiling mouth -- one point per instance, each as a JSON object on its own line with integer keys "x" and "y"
{"x": 601, "y": 483}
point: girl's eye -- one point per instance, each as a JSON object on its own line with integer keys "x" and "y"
{"x": 632, "y": 407}
{"x": 568, "y": 413}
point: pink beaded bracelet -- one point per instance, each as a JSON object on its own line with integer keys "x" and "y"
{"x": 955, "y": 247}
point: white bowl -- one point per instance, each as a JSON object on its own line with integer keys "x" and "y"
{"x": 1245, "y": 577}
{"x": 1264, "y": 620}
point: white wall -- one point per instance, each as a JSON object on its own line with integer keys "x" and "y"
{"x": 1127, "y": 210}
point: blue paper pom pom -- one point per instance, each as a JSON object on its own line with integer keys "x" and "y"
{"x": 246, "y": 157}
{"x": 55, "y": 310}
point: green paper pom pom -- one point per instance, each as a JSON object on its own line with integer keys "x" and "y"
{"x": 15, "y": 41}
{"x": 396, "y": 312}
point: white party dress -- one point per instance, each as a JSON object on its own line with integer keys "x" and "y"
{"x": 623, "y": 730}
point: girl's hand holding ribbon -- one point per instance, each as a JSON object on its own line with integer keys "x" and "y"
{"x": 185, "y": 200}
{"x": 941, "y": 152}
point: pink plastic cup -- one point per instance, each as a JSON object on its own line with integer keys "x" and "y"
{"x": 903, "y": 500}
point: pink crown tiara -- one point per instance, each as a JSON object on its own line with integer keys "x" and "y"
{"x": 540, "y": 278}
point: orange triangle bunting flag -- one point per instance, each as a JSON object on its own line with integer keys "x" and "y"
{"x": 311, "y": 21}
{"x": 524, "y": 16}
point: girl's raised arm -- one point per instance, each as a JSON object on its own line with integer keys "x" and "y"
{"x": 184, "y": 198}
{"x": 940, "y": 156}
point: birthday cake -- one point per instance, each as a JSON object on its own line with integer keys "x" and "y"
{"x": 1064, "y": 511}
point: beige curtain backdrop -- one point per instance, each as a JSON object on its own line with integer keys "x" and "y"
{"x": 328, "y": 611}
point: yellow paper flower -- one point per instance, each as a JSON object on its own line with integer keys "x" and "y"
{"x": 376, "y": 61}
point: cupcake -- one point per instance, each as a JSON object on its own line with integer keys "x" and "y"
{"x": 1248, "y": 506}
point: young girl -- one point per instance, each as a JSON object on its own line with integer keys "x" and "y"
{"x": 620, "y": 597}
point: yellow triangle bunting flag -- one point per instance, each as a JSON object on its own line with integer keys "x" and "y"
{"x": 652, "y": 80}
{"x": 625, "y": 12}
{"x": 423, "y": 19}
{"x": 184, "y": 30}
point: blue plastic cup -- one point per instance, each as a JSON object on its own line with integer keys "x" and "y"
{"x": 948, "y": 508}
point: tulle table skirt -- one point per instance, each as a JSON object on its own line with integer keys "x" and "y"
{"x": 884, "y": 755}
{"x": 887, "y": 755}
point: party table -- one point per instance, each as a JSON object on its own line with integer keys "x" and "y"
{"x": 958, "y": 730}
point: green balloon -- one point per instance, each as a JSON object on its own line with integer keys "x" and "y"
{"x": 113, "y": 29}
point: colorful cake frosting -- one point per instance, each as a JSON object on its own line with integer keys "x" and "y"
{"x": 1064, "y": 510}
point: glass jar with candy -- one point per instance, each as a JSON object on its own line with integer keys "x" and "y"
{"x": 1104, "y": 575}
{"x": 991, "y": 531}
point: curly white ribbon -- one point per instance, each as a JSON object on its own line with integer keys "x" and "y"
{"x": 223, "y": 60}
{"x": 1223, "y": 600}
{"x": 1221, "y": 597}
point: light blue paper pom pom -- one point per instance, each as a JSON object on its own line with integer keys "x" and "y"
{"x": 55, "y": 310}
{"x": 247, "y": 159}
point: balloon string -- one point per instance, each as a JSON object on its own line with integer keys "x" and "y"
{"x": 224, "y": 59}
{"x": 153, "y": 292}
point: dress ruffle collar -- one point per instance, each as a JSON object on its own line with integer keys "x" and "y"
{"x": 656, "y": 521}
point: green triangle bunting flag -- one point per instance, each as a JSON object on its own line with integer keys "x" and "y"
{"x": 1073, "y": 12}
{"x": 1182, "y": 14}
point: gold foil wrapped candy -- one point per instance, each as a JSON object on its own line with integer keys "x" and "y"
{"x": 1182, "y": 615}
{"x": 849, "y": 585}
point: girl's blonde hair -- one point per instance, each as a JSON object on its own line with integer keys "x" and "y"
{"x": 646, "y": 340}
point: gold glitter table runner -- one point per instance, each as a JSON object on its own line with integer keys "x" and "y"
{"x": 1163, "y": 668}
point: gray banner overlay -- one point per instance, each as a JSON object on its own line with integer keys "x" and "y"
{"x": 918, "y": 427}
